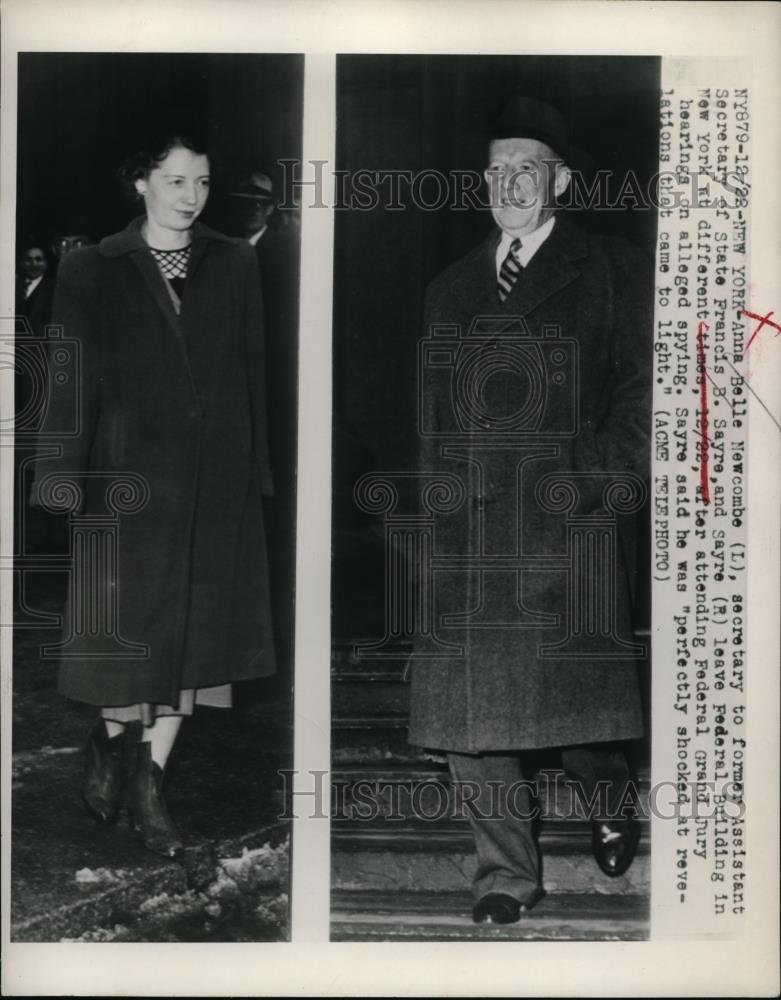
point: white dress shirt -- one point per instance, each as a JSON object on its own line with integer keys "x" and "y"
{"x": 530, "y": 244}
{"x": 256, "y": 236}
{"x": 29, "y": 289}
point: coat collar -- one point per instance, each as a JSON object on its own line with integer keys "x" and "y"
{"x": 130, "y": 239}
{"x": 568, "y": 241}
{"x": 553, "y": 267}
{"x": 131, "y": 243}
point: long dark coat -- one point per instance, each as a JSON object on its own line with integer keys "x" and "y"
{"x": 178, "y": 400}
{"x": 500, "y": 692}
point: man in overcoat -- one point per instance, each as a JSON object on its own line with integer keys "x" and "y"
{"x": 535, "y": 392}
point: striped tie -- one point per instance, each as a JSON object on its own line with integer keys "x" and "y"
{"x": 509, "y": 271}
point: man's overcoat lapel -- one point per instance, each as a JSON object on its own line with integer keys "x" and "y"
{"x": 553, "y": 267}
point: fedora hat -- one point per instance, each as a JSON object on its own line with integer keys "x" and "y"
{"x": 527, "y": 118}
{"x": 254, "y": 185}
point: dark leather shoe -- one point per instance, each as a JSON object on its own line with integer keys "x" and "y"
{"x": 104, "y": 776}
{"x": 146, "y": 808}
{"x": 614, "y": 843}
{"x": 500, "y": 908}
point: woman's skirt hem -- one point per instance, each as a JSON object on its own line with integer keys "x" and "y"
{"x": 145, "y": 712}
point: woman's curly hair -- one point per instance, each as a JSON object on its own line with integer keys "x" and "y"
{"x": 139, "y": 164}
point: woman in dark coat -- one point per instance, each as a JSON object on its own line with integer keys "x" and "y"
{"x": 172, "y": 450}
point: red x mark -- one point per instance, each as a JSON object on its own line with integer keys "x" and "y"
{"x": 763, "y": 321}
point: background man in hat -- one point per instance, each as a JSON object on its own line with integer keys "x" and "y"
{"x": 69, "y": 239}
{"x": 572, "y": 380}
{"x": 253, "y": 205}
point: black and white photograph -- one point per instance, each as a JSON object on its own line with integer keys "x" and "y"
{"x": 390, "y": 463}
{"x": 493, "y": 324}
{"x": 155, "y": 463}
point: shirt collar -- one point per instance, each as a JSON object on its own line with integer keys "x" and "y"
{"x": 255, "y": 238}
{"x": 530, "y": 244}
{"x": 29, "y": 289}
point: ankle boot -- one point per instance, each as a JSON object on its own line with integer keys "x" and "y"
{"x": 103, "y": 774}
{"x": 147, "y": 811}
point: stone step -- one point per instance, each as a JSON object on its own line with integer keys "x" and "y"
{"x": 451, "y": 833}
{"x": 353, "y": 744}
{"x": 369, "y": 698}
{"x": 367, "y": 689}
{"x": 349, "y": 666}
{"x": 392, "y": 791}
{"x": 376, "y": 915}
{"x": 444, "y": 860}
{"x": 377, "y": 723}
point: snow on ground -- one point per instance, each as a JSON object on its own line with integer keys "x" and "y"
{"x": 244, "y": 901}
